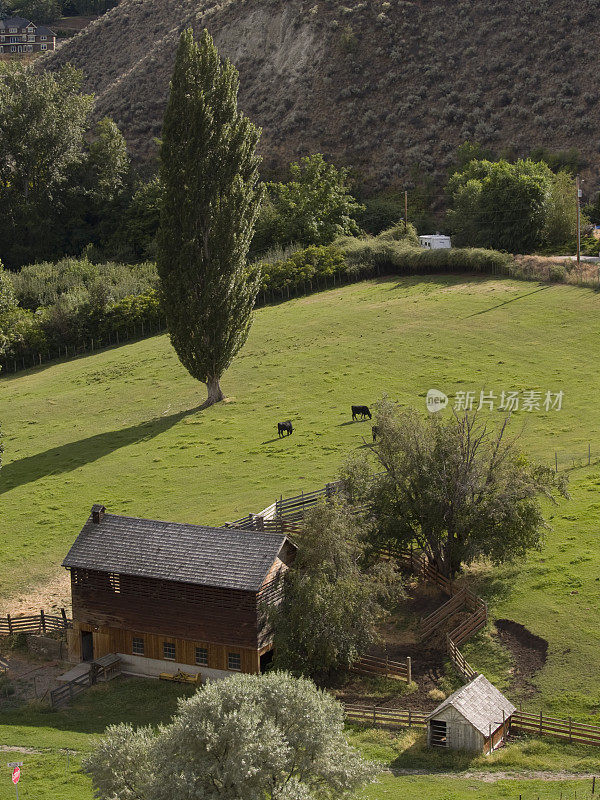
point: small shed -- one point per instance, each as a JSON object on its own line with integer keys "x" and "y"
{"x": 475, "y": 718}
{"x": 435, "y": 242}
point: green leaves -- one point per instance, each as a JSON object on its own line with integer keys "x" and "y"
{"x": 209, "y": 170}
{"x": 333, "y": 597}
{"x": 315, "y": 206}
{"x": 459, "y": 489}
{"x": 500, "y": 205}
{"x": 251, "y": 736}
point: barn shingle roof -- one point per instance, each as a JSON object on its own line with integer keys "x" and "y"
{"x": 220, "y": 557}
{"x": 480, "y": 703}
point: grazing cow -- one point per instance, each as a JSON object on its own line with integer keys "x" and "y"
{"x": 374, "y": 431}
{"x": 362, "y": 411}
{"x": 284, "y": 427}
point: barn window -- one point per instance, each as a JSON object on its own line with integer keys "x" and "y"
{"x": 202, "y": 656}
{"x": 438, "y": 733}
{"x": 114, "y": 581}
{"x": 137, "y": 648}
{"x": 234, "y": 661}
{"x": 169, "y": 651}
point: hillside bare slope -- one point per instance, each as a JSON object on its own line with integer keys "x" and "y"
{"x": 381, "y": 86}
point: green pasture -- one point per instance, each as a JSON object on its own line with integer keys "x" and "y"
{"x": 123, "y": 427}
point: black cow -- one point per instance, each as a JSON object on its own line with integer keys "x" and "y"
{"x": 284, "y": 427}
{"x": 375, "y": 431}
{"x": 362, "y": 411}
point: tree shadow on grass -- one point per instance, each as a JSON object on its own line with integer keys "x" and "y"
{"x": 73, "y": 455}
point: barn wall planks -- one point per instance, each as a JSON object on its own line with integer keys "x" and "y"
{"x": 198, "y": 613}
{"x": 119, "y": 640}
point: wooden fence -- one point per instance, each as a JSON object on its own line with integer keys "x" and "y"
{"x": 564, "y": 729}
{"x": 372, "y": 665}
{"x": 459, "y": 598}
{"x": 34, "y": 623}
{"x": 286, "y": 515}
{"x": 385, "y": 717}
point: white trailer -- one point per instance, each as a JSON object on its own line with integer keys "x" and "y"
{"x": 435, "y": 241}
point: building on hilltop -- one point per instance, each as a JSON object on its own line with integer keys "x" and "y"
{"x": 19, "y": 35}
{"x": 476, "y": 718}
{"x": 167, "y": 596}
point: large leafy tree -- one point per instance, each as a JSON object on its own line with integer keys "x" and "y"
{"x": 249, "y": 736}
{"x": 43, "y": 119}
{"x": 457, "y": 488}
{"x": 62, "y": 185}
{"x": 500, "y": 205}
{"x": 334, "y": 597}
{"x": 314, "y": 206}
{"x": 209, "y": 170}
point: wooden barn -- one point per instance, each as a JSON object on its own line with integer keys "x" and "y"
{"x": 476, "y": 718}
{"x": 167, "y": 596}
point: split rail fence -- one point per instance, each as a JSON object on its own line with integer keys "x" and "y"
{"x": 373, "y": 665}
{"x": 385, "y": 717}
{"x": 34, "y": 623}
{"x": 564, "y": 729}
{"x": 459, "y": 598}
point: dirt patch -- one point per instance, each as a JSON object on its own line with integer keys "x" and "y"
{"x": 528, "y": 650}
{"x": 30, "y": 678}
{"x": 52, "y": 595}
{"x": 399, "y": 638}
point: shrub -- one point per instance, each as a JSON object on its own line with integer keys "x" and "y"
{"x": 302, "y": 267}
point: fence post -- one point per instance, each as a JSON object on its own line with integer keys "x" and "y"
{"x": 409, "y": 668}
{"x": 63, "y": 614}
{"x": 42, "y": 620}
{"x": 570, "y": 730}
{"x": 387, "y": 668}
{"x": 10, "y": 630}
{"x": 541, "y": 721}
{"x": 594, "y": 778}
{"x": 409, "y": 717}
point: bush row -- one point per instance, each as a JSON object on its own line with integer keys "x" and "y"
{"x": 76, "y": 304}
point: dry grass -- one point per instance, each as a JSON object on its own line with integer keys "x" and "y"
{"x": 381, "y": 87}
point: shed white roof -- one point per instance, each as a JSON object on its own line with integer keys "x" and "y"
{"x": 480, "y": 703}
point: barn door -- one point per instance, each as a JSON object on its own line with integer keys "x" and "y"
{"x": 87, "y": 646}
{"x": 438, "y": 733}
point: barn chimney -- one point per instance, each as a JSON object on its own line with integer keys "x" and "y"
{"x": 98, "y": 513}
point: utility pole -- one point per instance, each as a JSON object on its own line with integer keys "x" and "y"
{"x": 405, "y": 211}
{"x": 578, "y": 222}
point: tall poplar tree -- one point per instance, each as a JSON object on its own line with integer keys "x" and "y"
{"x": 212, "y": 194}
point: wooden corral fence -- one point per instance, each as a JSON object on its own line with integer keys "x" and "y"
{"x": 385, "y": 717}
{"x": 459, "y": 598}
{"x": 564, "y": 729}
{"x": 34, "y": 623}
{"x": 286, "y": 516}
{"x": 103, "y": 669}
{"x": 372, "y": 665}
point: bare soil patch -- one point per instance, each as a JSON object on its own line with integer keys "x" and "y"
{"x": 399, "y": 639}
{"x": 52, "y": 595}
{"x": 30, "y": 677}
{"x": 528, "y": 650}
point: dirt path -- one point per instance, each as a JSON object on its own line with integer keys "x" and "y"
{"x": 494, "y": 777}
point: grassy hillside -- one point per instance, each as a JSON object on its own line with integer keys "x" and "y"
{"x": 122, "y": 426}
{"x": 380, "y": 86}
